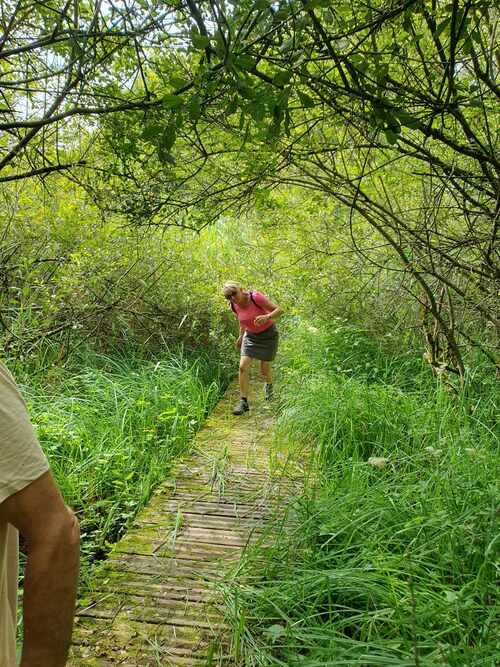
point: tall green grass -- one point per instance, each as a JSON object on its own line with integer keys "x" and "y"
{"x": 389, "y": 565}
{"x": 112, "y": 426}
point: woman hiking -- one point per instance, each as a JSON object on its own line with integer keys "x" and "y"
{"x": 258, "y": 337}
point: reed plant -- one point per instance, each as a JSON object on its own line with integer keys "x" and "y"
{"x": 392, "y": 560}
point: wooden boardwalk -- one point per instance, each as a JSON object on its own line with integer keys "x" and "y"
{"x": 155, "y": 601}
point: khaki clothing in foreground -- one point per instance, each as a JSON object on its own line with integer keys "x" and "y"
{"x": 21, "y": 462}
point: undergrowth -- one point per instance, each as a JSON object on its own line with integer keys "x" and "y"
{"x": 393, "y": 558}
{"x": 112, "y": 426}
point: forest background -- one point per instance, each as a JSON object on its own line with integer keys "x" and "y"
{"x": 343, "y": 158}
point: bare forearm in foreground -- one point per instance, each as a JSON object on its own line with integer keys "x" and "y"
{"x": 50, "y": 591}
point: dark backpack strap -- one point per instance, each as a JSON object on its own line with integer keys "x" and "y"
{"x": 255, "y": 303}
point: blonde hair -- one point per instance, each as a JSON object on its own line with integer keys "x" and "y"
{"x": 229, "y": 287}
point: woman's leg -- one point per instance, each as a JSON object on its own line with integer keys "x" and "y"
{"x": 242, "y": 405}
{"x": 266, "y": 372}
{"x": 265, "y": 369}
{"x": 244, "y": 375}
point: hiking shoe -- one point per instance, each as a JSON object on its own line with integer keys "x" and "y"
{"x": 268, "y": 391}
{"x": 241, "y": 407}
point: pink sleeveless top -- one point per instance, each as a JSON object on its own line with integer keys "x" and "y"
{"x": 247, "y": 314}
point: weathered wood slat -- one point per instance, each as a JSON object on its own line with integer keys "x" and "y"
{"x": 218, "y": 506}
{"x": 160, "y": 614}
{"x": 181, "y": 547}
{"x": 199, "y": 520}
{"x": 137, "y": 585}
{"x": 179, "y": 568}
{"x": 237, "y": 521}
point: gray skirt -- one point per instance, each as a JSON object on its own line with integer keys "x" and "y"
{"x": 263, "y": 345}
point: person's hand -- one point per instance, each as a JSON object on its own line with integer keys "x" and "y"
{"x": 238, "y": 342}
{"x": 261, "y": 319}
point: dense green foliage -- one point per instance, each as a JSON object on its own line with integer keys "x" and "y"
{"x": 190, "y": 111}
{"x": 393, "y": 558}
{"x": 112, "y": 426}
{"x": 388, "y": 109}
{"x": 341, "y": 157}
{"x": 70, "y": 278}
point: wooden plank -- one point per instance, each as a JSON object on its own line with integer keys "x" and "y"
{"x": 186, "y": 518}
{"x": 254, "y": 499}
{"x": 161, "y": 597}
{"x": 104, "y": 656}
{"x": 154, "y": 585}
{"x": 208, "y": 508}
{"x": 193, "y": 549}
{"x": 122, "y": 630}
{"x": 230, "y": 470}
{"x": 174, "y": 568}
{"x": 153, "y": 610}
{"x": 223, "y": 489}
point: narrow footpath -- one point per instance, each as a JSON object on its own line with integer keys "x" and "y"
{"x": 156, "y": 601}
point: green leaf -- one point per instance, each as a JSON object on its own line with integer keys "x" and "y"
{"x": 200, "y": 42}
{"x": 407, "y": 24}
{"x": 451, "y": 596}
{"x": 177, "y": 82}
{"x": 172, "y": 101}
{"x": 287, "y": 122}
{"x": 282, "y": 78}
{"x": 475, "y": 35}
{"x": 282, "y": 13}
{"x": 391, "y": 136}
{"x": 362, "y": 66}
{"x": 244, "y": 62}
{"x": 232, "y": 106}
{"x": 360, "y": 63}
{"x": 468, "y": 46}
{"x": 393, "y": 124}
{"x": 274, "y": 128}
{"x": 127, "y": 148}
{"x": 306, "y": 101}
{"x": 168, "y": 138}
{"x": 275, "y": 631}
{"x": 382, "y": 72}
{"x": 287, "y": 45}
{"x": 278, "y": 113}
{"x": 244, "y": 89}
{"x": 407, "y": 119}
{"x": 312, "y": 4}
{"x": 257, "y": 110}
{"x": 220, "y": 44}
{"x": 442, "y": 26}
{"x": 151, "y": 131}
{"x": 194, "y": 108}
{"x": 165, "y": 144}
{"x": 166, "y": 157}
